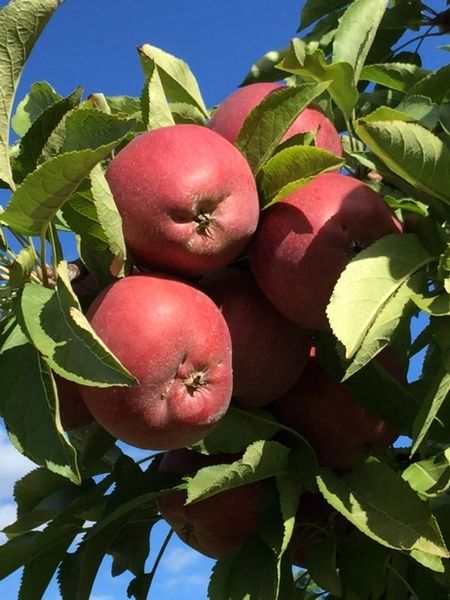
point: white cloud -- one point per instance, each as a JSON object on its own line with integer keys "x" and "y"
{"x": 179, "y": 559}
{"x": 7, "y": 516}
{"x": 12, "y": 466}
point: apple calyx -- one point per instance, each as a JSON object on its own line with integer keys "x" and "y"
{"x": 204, "y": 221}
{"x": 195, "y": 381}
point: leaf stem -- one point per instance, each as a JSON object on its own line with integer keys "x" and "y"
{"x": 403, "y": 580}
{"x": 158, "y": 558}
{"x": 42, "y": 256}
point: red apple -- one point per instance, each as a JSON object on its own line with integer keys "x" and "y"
{"x": 217, "y": 524}
{"x": 187, "y": 198}
{"x": 269, "y": 351}
{"x": 72, "y": 409}
{"x": 232, "y": 112}
{"x": 337, "y": 427}
{"x": 174, "y": 340}
{"x": 304, "y": 242}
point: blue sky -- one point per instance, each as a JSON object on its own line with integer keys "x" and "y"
{"x": 92, "y": 43}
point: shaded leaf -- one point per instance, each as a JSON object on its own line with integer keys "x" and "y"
{"x": 265, "y": 69}
{"x": 21, "y": 23}
{"x": 437, "y": 305}
{"x": 40, "y": 97}
{"x": 394, "y": 75}
{"x": 320, "y": 560}
{"x": 435, "y": 85}
{"x": 316, "y": 9}
{"x": 384, "y": 507}
{"x": 22, "y": 267}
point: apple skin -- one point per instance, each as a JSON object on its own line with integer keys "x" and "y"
{"x": 73, "y": 411}
{"x": 187, "y": 198}
{"x": 232, "y": 112}
{"x": 269, "y": 351}
{"x": 339, "y": 430}
{"x": 305, "y": 241}
{"x": 174, "y": 340}
{"x": 217, "y": 524}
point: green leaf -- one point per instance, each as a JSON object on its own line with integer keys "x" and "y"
{"x": 368, "y": 283}
{"x": 434, "y": 85}
{"x": 384, "y": 507}
{"x": 22, "y": 267}
{"x": 265, "y": 68}
{"x": 430, "y": 477}
{"x": 21, "y": 23}
{"x": 130, "y": 547}
{"x": 37, "y": 200}
{"x": 177, "y": 79}
{"x": 309, "y": 61}
{"x": 289, "y": 495}
{"x": 396, "y": 310}
{"x": 261, "y": 460}
{"x": 412, "y": 152}
{"x": 79, "y": 569}
{"x": 109, "y": 219}
{"x": 186, "y": 113}
{"x": 396, "y": 76}
{"x": 61, "y": 332}
{"x": 437, "y": 305}
{"x": 320, "y": 560}
{"x": 155, "y": 109}
{"x": 292, "y": 168}
{"x": 356, "y": 33}
{"x": 39, "y": 571}
{"x": 40, "y": 97}
{"x": 28, "y": 547}
{"x": 314, "y": 10}
{"x": 28, "y": 406}
{"x": 33, "y": 142}
{"x": 246, "y": 573}
{"x": 268, "y": 122}
{"x": 237, "y": 430}
{"x": 421, "y": 109}
{"x": 438, "y": 392}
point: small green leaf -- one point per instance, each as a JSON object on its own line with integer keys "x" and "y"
{"x": 109, "y": 219}
{"x": 177, "y": 79}
{"x": 37, "y": 200}
{"x": 309, "y": 61}
{"x": 21, "y": 23}
{"x": 265, "y": 69}
{"x": 292, "y": 168}
{"x": 261, "y": 460}
{"x": 28, "y": 406}
{"x": 356, "y": 33}
{"x": 40, "y": 97}
{"x": 396, "y": 76}
{"x": 436, "y": 305}
{"x": 155, "y": 109}
{"x": 430, "y": 476}
{"x": 61, "y": 332}
{"x": 369, "y": 282}
{"x": 433, "y": 86}
{"x": 268, "y": 122}
{"x": 22, "y": 267}
{"x": 438, "y": 392}
{"x": 412, "y": 152}
{"x": 384, "y": 507}
{"x": 237, "y": 430}
{"x": 33, "y": 142}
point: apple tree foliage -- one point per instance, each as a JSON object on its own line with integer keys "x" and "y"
{"x": 360, "y": 61}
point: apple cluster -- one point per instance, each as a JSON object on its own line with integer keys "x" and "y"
{"x": 223, "y": 305}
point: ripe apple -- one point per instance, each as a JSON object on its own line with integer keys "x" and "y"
{"x": 174, "y": 340}
{"x": 304, "y": 242}
{"x": 337, "y": 427}
{"x": 217, "y": 524}
{"x": 269, "y": 351}
{"x": 73, "y": 411}
{"x": 232, "y": 112}
{"x": 187, "y": 198}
